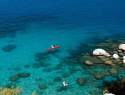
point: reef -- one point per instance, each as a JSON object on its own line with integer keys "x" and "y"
{"x": 57, "y": 79}
{"x": 10, "y": 91}
{"x": 42, "y": 86}
{"x": 99, "y": 67}
{"x": 41, "y": 60}
{"x": 9, "y": 48}
{"x": 80, "y": 81}
{"x": 19, "y": 76}
{"x": 10, "y": 26}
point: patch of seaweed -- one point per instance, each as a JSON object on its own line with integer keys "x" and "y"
{"x": 10, "y": 91}
{"x": 41, "y": 59}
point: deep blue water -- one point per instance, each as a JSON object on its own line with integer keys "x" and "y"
{"x": 81, "y": 11}
{"x": 28, "y": 28}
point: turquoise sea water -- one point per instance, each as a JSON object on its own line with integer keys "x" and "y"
{"x": 29, "y": 28}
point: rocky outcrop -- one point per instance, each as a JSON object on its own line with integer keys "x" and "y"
{"x": 122, "y": 47}
{"x": 100, "y": 52}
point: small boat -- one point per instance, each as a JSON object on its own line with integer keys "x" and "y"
{"x": 53, "y": 48}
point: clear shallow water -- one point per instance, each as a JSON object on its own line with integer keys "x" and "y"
{"x": 37, "y": 37}
{"x": 34, "y": 28}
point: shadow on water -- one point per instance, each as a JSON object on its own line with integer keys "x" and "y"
{"x": 115, "y": 85}
{"x": 9, "y": 26}
{"x": 41, "y": 59}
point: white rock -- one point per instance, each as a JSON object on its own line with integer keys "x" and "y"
{"x": 123, "y": 57}
{"x": 124, "y": 61}
{"x": 109, "y": 94}
{"x": 65, "y": 84}
{"x": 100, "y": 52}
{"x": 122, "y": 47}
{"x": 115, "y": 56}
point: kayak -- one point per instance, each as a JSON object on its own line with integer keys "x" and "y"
{"x": 53, "y": 48}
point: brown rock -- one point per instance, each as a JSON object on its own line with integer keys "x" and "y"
{"x": 87, "y": 62}
{"x": 80, "y": 81}
{"x": 98, "y": 76}
{"x": 120, "y": 51}
{"x": 109, "y": 62}
{"x": 113, "y": 71}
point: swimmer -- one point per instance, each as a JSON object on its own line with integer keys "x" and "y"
{"x": 65, "y": 84}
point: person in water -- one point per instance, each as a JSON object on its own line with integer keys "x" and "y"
{"x": 53, "y": 47}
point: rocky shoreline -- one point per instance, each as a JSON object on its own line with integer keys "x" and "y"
{"x": 103, "y": 63}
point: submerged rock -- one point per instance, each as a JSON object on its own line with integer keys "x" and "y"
{"x": 62, "y": 88}
{"x": 109, "y": 62}
{"x": 119, "y": 51}
{"x": 18, "y": 76}
{"x": 41, "y": 56}
{"x": 57, "y": 79}
{"x": 100, "y": 74}
{"x": 113, "y": 71}
{"x": 42, "y": 86}
{"x": 123, "y": 59}
{"x": 9, "y": 48}
{"x": 80, "y": 81}
{"x": 88, "y": 62}
{"x": 106, "y": 60}
{"x": 66, "y": 74}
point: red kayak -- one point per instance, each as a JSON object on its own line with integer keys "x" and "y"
{"x": 53, "y": 48}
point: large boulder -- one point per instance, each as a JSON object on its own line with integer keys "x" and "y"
{"x": 101, "y": 52}
{"x": 122, "y": 47}
{"x": 115, "y": 56}
{"x": 123, "y": 59}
